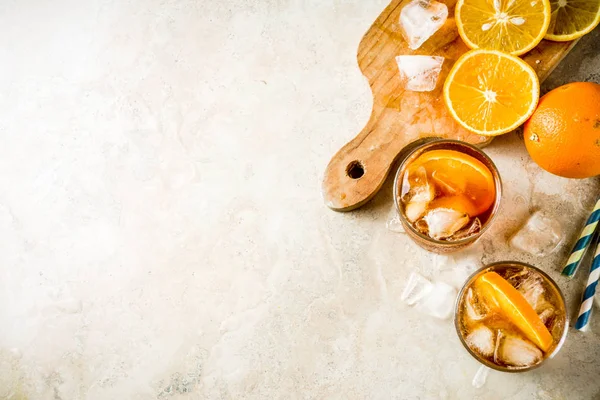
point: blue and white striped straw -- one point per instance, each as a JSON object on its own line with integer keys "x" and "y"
{"x": 583, "y": 242}
{"x": 590, "y": 289}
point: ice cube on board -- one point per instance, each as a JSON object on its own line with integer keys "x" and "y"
{"x": 420, "y": 19}
{"x": 419, "y": 73}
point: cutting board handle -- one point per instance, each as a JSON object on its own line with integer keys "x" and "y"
{"x": 357, "y": 172}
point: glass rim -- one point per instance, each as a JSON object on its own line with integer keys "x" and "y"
{"x": 488, "y": 363}
{"x": 497, "y": 183}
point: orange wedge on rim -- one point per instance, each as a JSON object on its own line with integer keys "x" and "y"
{"x": 515, "y": 307}
{"x": 490, "y": 92}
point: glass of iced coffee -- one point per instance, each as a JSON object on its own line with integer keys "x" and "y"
{"x": 511, "y": 316}
{"x": 447, "y": 193}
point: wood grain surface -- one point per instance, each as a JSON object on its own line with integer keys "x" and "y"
{"x": 399, "y": 117}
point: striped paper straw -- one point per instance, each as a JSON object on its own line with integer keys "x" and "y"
{"x": 590, "y": 289}
{"x": 583, "y": 242}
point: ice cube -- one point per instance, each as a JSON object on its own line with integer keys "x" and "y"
{"x": 457, "y": 276}
{"x": 547, "y": 315}
{"x": 540, "y": 235}
{"x": 417, "y": 193}
{"x": 472, "y": 228}
{"x": 475, "y": 307}
{"x": 482, "y": 340}
{"x": 439, "y": 302}
{"x": 416, "y": 187}
{"x": 556, "y": 326}
{"x": 420, "y": 19}
{"x": 422, "y": 227}
{"x": 414, "y": 210}
{"x": 455, "y": 269}
{"x": 480, "y": 377}
{"x": 516, "y": 352}
{"x": 444, "y": 222}
{"x": 393, "y": 224}
{"x": 530, "y": 284}
{"x": 515, "y": 277}
{"x": 419, "y": 73}
{"x": 532, "y": 288}
{"x": 416, "y": 288}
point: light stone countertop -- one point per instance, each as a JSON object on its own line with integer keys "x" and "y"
{"x": 162, "y": 232}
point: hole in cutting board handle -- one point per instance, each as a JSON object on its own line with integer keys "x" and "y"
{"x": 355, "y": 169}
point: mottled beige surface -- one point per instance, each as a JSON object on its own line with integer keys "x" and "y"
{"x": 162, "y": 233}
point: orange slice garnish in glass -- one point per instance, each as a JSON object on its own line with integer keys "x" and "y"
{"x": 496, "y": 290}
{"x": 459, "y": 202}
{"x": 469, "y": 179}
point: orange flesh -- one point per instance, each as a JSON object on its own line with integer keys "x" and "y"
{"x": 490, "y": 93}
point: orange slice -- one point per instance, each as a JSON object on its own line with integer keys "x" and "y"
{"x": 460, "y": 203}
{"x": 515, "y": 307}
{"x": 512, "y": 26}
{"x": 471, "y": 180}
{"x": 490, "y": 92}
{"x": 571, "y": 19}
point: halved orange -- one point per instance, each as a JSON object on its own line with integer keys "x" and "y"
{"x": 490, "y": 93}
{"x": 471, "y": 180}
{"x": 496, "y": 290}
{"x": 571, "y": 19}
{"x": 512, "y": 26}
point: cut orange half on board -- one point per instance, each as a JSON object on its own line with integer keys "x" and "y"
{"x": 512, "y": 26}
{"x": 571, "y": 19}
{"x": 490, "y": 92}
{"x": 471, "y": 181}
{"x": 496, "y": 290}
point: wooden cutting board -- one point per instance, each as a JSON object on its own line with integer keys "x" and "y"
{"x": 400, "y": 117}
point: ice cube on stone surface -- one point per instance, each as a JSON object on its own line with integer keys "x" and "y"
{"x": 539, "y": 236}
{"x": 480, "y": 377}
{"x": 517, "y": 352}
{"x": 420, "y": 19}
{"x": 393, "y": 224}
{"x": 456, "y": 276}
{"x": 416, "y": 288}
{"x": 419, "y": 73}
{"x": 455, "y": 269}
{"x": 482, "y": 340}
{"x": 439, "y": 302}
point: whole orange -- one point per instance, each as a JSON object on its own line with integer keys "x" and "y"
{"x": 563, "y": 134}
